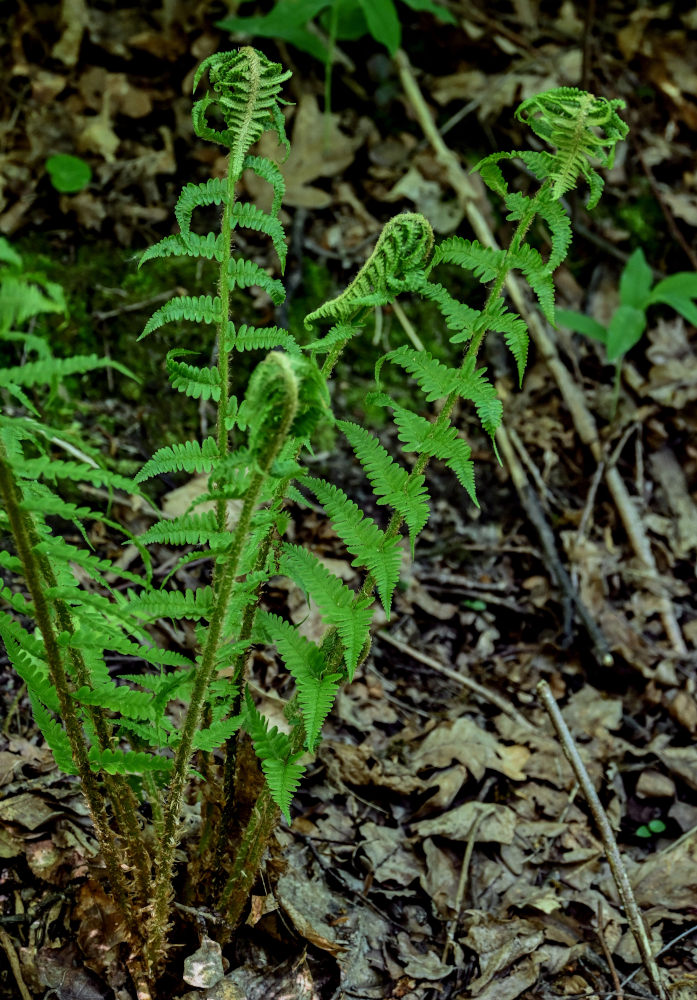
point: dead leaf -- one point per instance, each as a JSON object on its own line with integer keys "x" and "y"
{"x": 27, "y": 810}
{"x": 318, "y": 149}
{"x": 497, "y": 826}
{"x": 466, "y": 742}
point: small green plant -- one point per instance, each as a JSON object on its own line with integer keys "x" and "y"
{"x": 125, "y": 735}
{"x": 340, "y": 20}
{"x": 68, "y": 174}
{"x": 651, "y": 829}
{"x": 628, "y": 322}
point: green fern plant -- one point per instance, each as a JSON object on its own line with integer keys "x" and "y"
{"x": 120, "y": 734}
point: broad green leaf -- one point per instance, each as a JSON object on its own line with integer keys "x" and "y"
{"x": 636, "y": 281}
{"x": 625, "y": 329}
{"x": 580, "y": 323}
{"x": 437, "y": 9}
{"x": 683, "y": 285}
{"x": 383, "y": 23}
{"x": 685, "y": 307}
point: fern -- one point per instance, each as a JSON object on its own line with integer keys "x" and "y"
{"x": 339, "y": 606}
{"x": 245, "y": 86}
{"x": 127, "y": 761}
{"x": 317, "y": 685}
{"x": 274, "y": 751}
{"x": 362, "y": 537}
{"x": 398, "y": 260}
{"x": 131, "y": 737}
{"x": 391, "y": 483}
{"x": 188, "y": 457}
{"x": 187, "y": 529}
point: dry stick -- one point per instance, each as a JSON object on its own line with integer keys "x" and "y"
{"x": 573, "y": 397}
{"x": 9, "y": 949}
{"x": 484, "y": 693}
{"x": 464, "y": 871}
{"x": 606, "y": 952}
{"x": 536, "y": 515}
{"x": 619, "y": 873}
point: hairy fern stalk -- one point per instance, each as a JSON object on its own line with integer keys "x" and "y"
{"x": 118, "y": 733}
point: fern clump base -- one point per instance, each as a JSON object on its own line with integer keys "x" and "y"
{"x": 137, "y": 753}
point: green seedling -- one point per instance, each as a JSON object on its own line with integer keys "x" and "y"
{"x": 651, "y": 829}
{"x": 169, "y": 723}
{"x": 68, "y": 174}
{"x": 628, "y": 322}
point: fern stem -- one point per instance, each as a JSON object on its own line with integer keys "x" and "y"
{"x": 223, "y": 585}
{"x": 223, "y": 346}
{"x": 119, "y": 794}
{"x": 22, "y": 530}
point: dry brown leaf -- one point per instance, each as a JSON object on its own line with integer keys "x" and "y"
{"x": 29, "y": 811}
{"x": 389, "y": 860}
{"x": 318, "y": 149}
{"x": 467, "y": 743}
{"x": 498, "y": 824}
{"x": 498, "y": 944}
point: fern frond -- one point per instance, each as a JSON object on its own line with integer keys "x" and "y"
{"x": 338, "y": 335}
{"x": 48, "y": 467}
{"x": 390, "y": 482}
{"x": 194, "y": 308}
{"x": 272, "y": 747}
{"x": 54, "y": 734}
{"x": 43, "y": 372}
{"x": 338, "y": 605}
{"x": 316, "y": 687}
{"x": 439, "y": 381}
{"x": 186, "y": 529}
{"x": 248, "y": 216}
{"x": 268, "y": 171}
{"x": 396, "y": 264}
{"x": 245, "y": 273}
{"x": 187, "y": 457}
{"x": 458, "y": 317}
{"x": 209, "y": 247}
{"x": 194, "y": 381}
{"x": 362, "y": 537}
{"x": 245, "y": 86}
{"x": 58, "y": 550}
{"x": 85, "y": 639}
{"x": 433, "y": 377}
{"x": 553, "y": 213}
{"x": 418, "y": 434}
{"x": 26, "y": 654}
{"x": 127, "y": 761}
{"x": 210, "y": 192}
{"x": 213, "y": 736}
{"x": 487, "y": 263}
{"x": 172, "y": 604}
{"x": 580, "y": 126}
{"x": 514, "y": 330}
{"x": 137, "y": 705}
{"x": 260, "y": 338}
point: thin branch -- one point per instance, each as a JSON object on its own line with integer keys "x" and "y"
{"x": 619, "y": 872}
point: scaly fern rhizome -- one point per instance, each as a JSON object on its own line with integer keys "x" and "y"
{"x": 117, "y": 733}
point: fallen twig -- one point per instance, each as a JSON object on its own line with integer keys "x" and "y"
{"x": 536, "y": 515}
{"x": 619, "y": 873}
{"x": 478, "y": 689}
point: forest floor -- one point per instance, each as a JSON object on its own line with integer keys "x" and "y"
{"x": 440, "y": 845}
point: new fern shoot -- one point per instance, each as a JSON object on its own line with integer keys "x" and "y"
{"x": 135, "y": 755}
